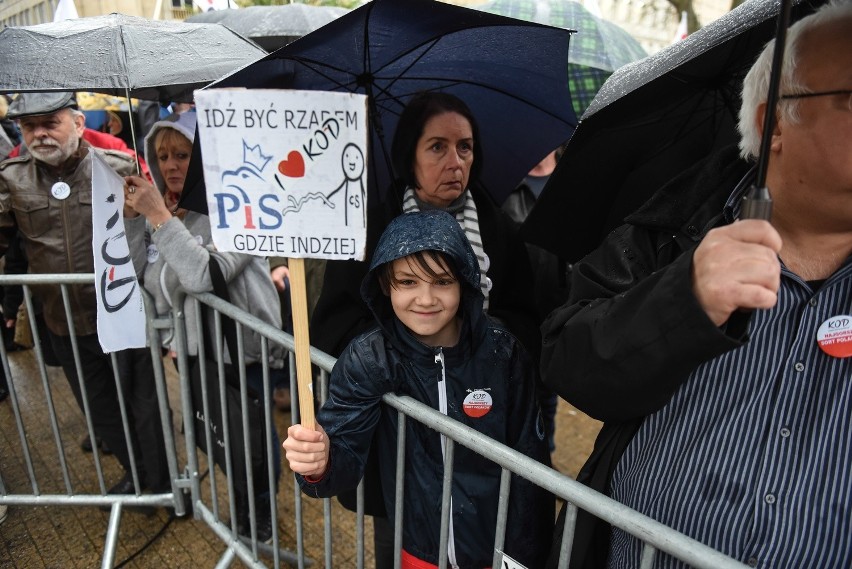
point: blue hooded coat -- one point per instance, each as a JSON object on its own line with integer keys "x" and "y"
{"x": 488, "y": 363}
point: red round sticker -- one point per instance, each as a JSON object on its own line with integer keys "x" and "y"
{"x": 835, "y": 336}
{"x": 477, "y": 403}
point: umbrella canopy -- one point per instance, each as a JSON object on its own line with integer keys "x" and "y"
{"x": 649, "y": 122}
{"x": 510, "y": 73}
{"x": 112, "y": 54}
{"x": 273, "y": 27}
{"x": 597, "y": 49}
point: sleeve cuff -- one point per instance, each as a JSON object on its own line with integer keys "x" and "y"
{"x": 318, "y": 479}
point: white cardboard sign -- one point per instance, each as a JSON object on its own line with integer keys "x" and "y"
{"x": 286, "y": 171}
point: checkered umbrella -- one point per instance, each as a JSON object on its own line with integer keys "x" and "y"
{"x": 597, "y": 49}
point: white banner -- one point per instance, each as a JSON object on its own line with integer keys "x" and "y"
{"x": 286, "y": 171}
{"x": 121, "y": 313}
{"x": 65, "y": 10}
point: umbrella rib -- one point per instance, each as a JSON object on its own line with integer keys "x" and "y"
{"x": 399, "y": 76}
{"x": 318, "y": 67}
{"x": 123, "y": 56}
{"x": 366, "y": 63}
{"x": 451, "y": 82}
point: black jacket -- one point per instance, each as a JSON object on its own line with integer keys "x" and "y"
{"x": 341, "y": 315}
{"x": 632, "y": 331}
{"x": 488, "y": 361}
{"x": 550, "y": 273}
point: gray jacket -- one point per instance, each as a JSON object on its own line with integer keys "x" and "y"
{"x": 56, "y": 234}
{"x": 178, "y": 255}
{"x": 188, "y": 246}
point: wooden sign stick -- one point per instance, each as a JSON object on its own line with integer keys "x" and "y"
{"x": 304, "y": 377}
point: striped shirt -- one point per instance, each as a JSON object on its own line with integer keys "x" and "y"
{"x": 753, "y": 454}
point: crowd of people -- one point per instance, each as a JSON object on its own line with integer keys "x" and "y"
{"x": 700, "y": 339}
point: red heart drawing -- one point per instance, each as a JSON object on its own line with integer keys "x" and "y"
{"x": 293, "y": 166}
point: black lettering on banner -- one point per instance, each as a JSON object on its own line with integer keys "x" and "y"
{"x": 112, "y": 221}
{"x": 109, "y": 258}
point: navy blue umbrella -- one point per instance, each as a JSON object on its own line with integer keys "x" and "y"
{"x": 511, "y": 73}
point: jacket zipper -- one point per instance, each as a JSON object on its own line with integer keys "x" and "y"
{"x": 442, "y": 407}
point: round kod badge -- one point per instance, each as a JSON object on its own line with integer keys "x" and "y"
{"x": 835, "y": 336}
{"x": 153, "y": 253}
{"x": 60, "y": 190}
{"x": 477, "y": 403}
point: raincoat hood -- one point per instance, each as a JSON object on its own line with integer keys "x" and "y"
{"x": 409, "y": 233}
{"x": 184, "y": 123}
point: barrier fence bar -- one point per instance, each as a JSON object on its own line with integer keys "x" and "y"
{"x": 205, "y": 499}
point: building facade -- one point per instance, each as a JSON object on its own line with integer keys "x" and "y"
{"x": 31, "y": 12}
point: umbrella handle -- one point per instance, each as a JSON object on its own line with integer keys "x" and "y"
{"x": 132, "y": 130}
{"x": 757, "y": 204}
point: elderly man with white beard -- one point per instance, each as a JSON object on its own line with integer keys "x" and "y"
{"x": 46, "y": 196}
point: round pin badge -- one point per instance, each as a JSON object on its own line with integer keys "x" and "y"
{"x": 60, "y": 190}
{"x": 835, "y": 336}
{"x": 477, "y": 403}
{"x": 153, "y": 253}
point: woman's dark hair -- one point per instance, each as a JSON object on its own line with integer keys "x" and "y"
{"x": 409, "y": 129}
{"x": 416, "y": 260}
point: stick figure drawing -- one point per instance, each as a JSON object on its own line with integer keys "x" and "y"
{"x": 350, "y": 195}
{"x": 354, "y": 195}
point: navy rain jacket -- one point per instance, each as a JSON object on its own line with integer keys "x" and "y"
{"x": 487, "y": 360}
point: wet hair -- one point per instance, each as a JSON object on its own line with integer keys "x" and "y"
{"x": 409, "y": 129}
{"x": 170, "y": 138}
{"x": 756, "y": 83}
{"x": 418, "y": 262}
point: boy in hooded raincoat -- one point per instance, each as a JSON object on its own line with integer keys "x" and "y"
{"x": 434, "y": 343}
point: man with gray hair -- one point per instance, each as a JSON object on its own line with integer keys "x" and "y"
{"x": 717, "y": 351}
{"x": 46, "y": 197}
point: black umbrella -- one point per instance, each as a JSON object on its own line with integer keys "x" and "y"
{"x": 272, "y": 27}
{"x": 510, "y": 72}
{"x": 650, "y": 121}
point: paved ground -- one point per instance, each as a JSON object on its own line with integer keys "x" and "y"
{"x": 65, "y": 537}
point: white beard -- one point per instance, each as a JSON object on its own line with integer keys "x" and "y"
{"x": 51, "y": 152}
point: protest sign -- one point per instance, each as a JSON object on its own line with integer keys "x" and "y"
{"x": 286, "y": 176}
{"x": 286, "y": 171}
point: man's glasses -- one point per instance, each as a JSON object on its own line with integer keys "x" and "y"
{"x": 847, "y": 92}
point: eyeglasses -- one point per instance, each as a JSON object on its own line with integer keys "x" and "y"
{"x": 824, "y": 94}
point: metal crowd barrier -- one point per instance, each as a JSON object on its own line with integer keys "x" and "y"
{"x": 41, "y": 490}
{"x": 210, "y": 502}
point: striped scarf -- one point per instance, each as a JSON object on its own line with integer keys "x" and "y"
{"x": 469, "y": 221}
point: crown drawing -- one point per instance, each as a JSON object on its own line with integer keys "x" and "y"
{"x": 253, "y": 156}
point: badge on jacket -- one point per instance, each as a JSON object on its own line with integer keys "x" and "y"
{"x": 477, "y": 403}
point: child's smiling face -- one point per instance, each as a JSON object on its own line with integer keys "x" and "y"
{"x": 427, "y": 306}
